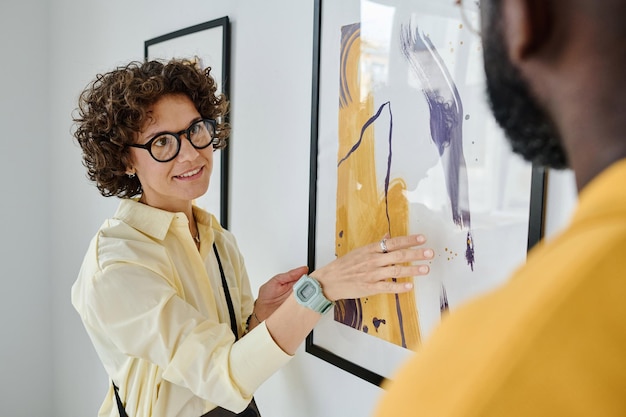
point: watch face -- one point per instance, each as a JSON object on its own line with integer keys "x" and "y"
{"x": 306, "y": 292}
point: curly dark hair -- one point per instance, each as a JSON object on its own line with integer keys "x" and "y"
{"x": 114, "y": 107}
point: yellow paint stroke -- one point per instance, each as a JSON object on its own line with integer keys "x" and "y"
{"x": 361, "y": 217}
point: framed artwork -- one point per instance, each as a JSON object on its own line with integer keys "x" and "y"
{"x": 402, "y": 142}
{"x": 209, "y": 43}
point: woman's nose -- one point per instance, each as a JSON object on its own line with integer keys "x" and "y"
{"x": 187, "y": 151}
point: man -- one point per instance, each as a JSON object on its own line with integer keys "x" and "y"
{"x": 552, "y": 341}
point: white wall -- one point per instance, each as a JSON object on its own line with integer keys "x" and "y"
{"x": 25, "y": 359}
{"x": 51, "y": 49}
{"x": 560, "y": 200}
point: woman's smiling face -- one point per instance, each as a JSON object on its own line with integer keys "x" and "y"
{"x": 172, "y": 185}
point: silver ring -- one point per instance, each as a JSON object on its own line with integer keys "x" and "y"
{"x": 383, "y": 246}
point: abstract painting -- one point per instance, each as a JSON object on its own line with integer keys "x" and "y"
{"x": 403, "y": 142}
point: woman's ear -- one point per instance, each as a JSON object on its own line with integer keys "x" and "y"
{"x": 527, "y": 27}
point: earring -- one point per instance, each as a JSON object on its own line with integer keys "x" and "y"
{"x": 131, "y": 175}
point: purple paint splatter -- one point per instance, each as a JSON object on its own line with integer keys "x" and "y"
{"x": 443, "y": 300}
{"x": 469, "y": 251}
{"x": 377, "y": 322}
{"x": 446, "y": 120}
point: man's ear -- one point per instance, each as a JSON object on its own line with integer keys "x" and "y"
{"x": 527, "y": 27}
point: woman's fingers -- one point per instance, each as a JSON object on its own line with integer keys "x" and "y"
{"x": 386, "y": 279}
{"x": 397, "y": 271}
{"x": 403, "y": 255}
{"x": 391, "y": 287}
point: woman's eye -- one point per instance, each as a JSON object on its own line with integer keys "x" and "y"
{"x": 195, "y": 129}
{"x": 162, "y": 141}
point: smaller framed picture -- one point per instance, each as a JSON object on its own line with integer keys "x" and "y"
{"x": 209, "y": 43}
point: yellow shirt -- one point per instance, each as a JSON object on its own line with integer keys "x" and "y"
{"x": 154, "y": 308}
{"x": 551, "y": 342}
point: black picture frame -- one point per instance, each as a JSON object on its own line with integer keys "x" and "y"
{"x": 209, "y": 41}
{"x": 536, "y": 207}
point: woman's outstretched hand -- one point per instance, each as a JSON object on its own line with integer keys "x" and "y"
{"x": 360, "y": 273}
{"x": 367, "y": 270}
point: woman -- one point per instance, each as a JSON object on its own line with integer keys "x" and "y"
{"x": 175, "y": 340}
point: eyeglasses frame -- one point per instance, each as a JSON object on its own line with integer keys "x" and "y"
{"x": 148, "y": 145}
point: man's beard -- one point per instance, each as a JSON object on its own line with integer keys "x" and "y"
{"x": 529, "y": 128}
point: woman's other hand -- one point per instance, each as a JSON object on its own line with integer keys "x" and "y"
{"x": 274, "y": 292}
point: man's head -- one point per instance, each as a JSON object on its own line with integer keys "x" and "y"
{"x": 555, "y": 79}
{"x": 526, "y": 123}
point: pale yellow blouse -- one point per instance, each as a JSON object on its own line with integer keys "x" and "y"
{"x": 154, "y": 308}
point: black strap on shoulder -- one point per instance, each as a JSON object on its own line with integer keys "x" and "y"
{"x": 229, "y": 301}
{"x": 120, "y": 406}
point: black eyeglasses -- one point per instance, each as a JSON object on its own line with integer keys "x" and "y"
{"x": 165, "y": 146}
